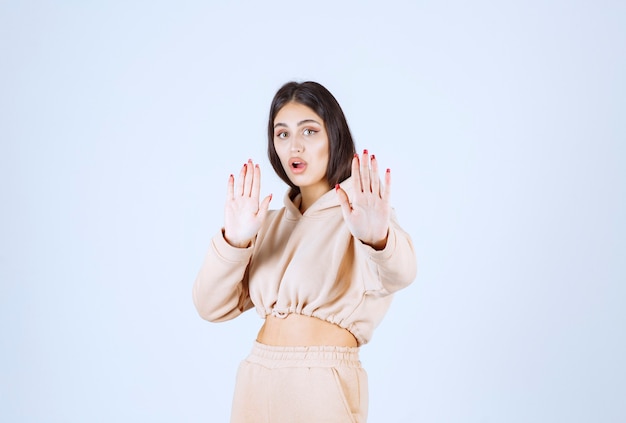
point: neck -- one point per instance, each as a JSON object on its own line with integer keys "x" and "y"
{"x": 311, "y": 194}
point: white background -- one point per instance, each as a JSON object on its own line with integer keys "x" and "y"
{"x": 504, "y": 127}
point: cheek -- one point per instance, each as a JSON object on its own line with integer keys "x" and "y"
{"x": 325, "y": 155}
{"x": 279, "y": 151}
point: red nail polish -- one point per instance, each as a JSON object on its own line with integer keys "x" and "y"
{"x": 336, "y": 187}
{"x": 365, "y": 151}
{"x": 388, "y": 170}
{"x": 373, "y": 157}
{"x": 356, "y": 156}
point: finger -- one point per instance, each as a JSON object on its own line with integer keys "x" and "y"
{"x": 247, "y": 183}
{"x": 230, "y": 191}
{"x": 365, "y": 172}
{"x": 242, "y": 176}
{"x": 344, "y": 201}
{"x": 387, "y": 192}
{"x": 375, "y": 178}
{"x": 256, "y": 182}
{"x": 356, "y": 174}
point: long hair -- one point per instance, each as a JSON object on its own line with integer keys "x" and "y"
{"x": 340, "y": 143}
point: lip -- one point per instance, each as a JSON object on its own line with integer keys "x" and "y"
{"x": 297, "y": 165}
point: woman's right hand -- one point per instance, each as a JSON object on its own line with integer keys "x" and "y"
{"x": 243, "y": 215}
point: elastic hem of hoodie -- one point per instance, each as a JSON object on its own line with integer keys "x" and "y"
{"x": 281, "y": 314}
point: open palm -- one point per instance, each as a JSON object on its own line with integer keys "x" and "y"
{"x": 243, "y": 215}
{"x": 368, "y": 213}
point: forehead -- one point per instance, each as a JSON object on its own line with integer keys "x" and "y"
{"x": 293, "y": 113}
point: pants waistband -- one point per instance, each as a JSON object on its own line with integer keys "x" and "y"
{"x": 312, "y": 356}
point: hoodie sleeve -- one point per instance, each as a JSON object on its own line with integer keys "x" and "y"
{"x": 395, "y": 266}
{"x": 220, "y": 291}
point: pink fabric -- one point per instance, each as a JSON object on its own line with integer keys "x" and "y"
{"x": 317, "y": 384}
{"x": 307, "y": 264}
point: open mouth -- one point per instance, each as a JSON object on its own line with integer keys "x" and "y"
{"x": 297, "y": 165}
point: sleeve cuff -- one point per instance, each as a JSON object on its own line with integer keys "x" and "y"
{"x": 385, "y": 253}
{"x": 229, "y": 253}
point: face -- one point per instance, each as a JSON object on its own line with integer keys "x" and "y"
{"x": 301, "y": 143}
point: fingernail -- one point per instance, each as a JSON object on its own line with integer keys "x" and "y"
{"x": 365, "y": 151}
{"x": 356, "y": 156}
{"x": 336, "y": 187}
{"x": 388, "y": 170}
{"x": 373, "y": 157}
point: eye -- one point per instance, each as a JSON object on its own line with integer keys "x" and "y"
{"x": 308, "y": 131}
{"x": 282, "y": 135}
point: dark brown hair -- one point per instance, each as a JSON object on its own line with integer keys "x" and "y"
{"x": 340, "y": 144}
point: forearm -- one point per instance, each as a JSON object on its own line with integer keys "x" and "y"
{"x": 395, "y": 265}
{"x": 220, "y": 291}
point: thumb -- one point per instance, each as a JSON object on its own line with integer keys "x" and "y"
{"x": 344, "y": 201}
{"x": 263, "y": 207}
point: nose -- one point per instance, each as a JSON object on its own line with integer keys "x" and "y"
{"x": 297, "y": 145}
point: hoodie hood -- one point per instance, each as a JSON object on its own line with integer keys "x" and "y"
{"x": 327, "y": 201}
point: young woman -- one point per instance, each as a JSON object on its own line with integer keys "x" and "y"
{"x": 321, "y": 270}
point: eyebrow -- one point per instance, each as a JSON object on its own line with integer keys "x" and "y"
{"x": 302, "y": 122}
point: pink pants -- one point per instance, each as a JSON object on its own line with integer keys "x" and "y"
{"x": 300, "y": 384}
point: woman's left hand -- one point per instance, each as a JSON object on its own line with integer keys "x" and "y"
{"x": 368, "y": 213}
